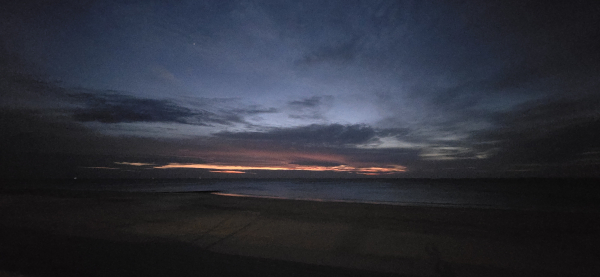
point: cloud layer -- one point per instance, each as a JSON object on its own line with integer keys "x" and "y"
{"x": 450, "y": 89}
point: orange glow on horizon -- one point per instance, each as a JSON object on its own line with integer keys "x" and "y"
{"x": 240, "y": 169}
{"x": 268, "y": 158}
{"x": 134, "y": 164}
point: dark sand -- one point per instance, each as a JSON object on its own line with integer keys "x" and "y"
{"x": 60, "y": 233}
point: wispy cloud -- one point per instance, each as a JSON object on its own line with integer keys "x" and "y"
{"x": 310, "y": 108}
{"x": 310, "y": 102}
{"x": 115, "y": 107}
{"x": 331, "y": 135}
{"x": 135, "y": 164}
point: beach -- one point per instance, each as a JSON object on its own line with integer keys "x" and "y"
{"x": 68, "y": 233}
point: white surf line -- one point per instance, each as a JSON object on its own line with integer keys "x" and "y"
{"x": 411, "y": 204}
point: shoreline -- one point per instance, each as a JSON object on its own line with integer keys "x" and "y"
{"x": 405, "y": 204}
{"x": 81, "y": 192}
{"x": 386, "y": 239}
{"x": 577, "y": 195}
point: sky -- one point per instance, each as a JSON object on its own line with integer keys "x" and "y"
{"x": 341, "y": 89}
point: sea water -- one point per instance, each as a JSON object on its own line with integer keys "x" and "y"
{"x": 522, "y": 194}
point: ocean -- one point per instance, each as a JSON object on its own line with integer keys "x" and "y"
{"x": 519, "y": 194}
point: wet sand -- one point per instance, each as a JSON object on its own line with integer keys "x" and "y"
{"x": 65, "y": 233}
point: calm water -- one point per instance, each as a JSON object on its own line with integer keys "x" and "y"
{"x": 536, "y": 194}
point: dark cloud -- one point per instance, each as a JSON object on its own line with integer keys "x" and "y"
{"x": 510, "y": 51}
{"x": 109, "y": 107}
{"x": 562, "y": 145}
{"x": 116, "y": 108}
{"x": 311, "y": 102}
{"x": 254, "y": 110}
{"x": 331, "y": 135}
{"x": 554, "y": 113}
{"x": 557, "y": 131}
{"x": 314, "y": 163}
{"x": 31, "y": 131}
{"x": 405, "y": 157}
{"x": 38, "y": 144}
{"x": 309, "y": 108}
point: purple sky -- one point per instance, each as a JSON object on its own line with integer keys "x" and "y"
{"x": 300, "y": 89}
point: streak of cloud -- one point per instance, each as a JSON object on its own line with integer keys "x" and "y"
{"x": 389, "y": 169}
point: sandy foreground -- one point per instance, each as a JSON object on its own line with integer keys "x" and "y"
{"x": 59, "y": 233}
